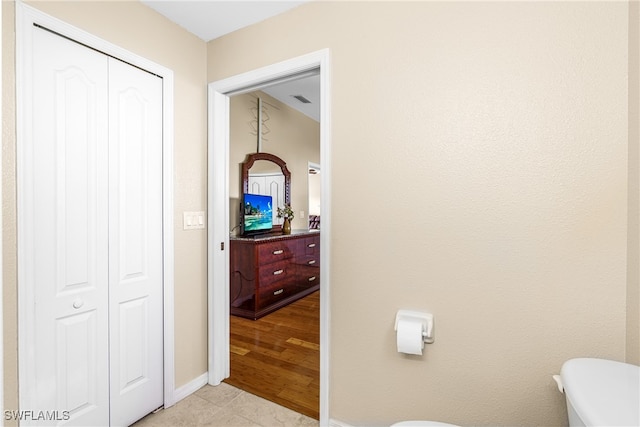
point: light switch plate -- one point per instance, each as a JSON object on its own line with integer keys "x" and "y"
{"x": 193, "y": 220}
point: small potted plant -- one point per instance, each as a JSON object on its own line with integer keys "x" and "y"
{"x": 287, "y": 214}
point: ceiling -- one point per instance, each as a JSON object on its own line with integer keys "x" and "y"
{"x": 210, "y": 19}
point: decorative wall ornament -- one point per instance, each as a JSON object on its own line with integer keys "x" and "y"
{"x": 261, "y": 116}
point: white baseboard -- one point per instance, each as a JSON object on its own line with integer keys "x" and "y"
{"x": 191, "y": 387}
{"x": 337, "y": 423}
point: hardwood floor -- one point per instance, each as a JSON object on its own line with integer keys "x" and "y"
{"x": 277, "y": 357}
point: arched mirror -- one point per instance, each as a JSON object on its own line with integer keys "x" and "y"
{"x": 264, "y": 173}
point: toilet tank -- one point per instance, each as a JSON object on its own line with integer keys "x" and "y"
{"x": 601, "y": 392}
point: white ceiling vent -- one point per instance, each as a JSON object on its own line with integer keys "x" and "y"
{"x": 302, "y": 99}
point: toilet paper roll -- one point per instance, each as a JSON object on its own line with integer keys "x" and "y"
{"x": 409, "y": 336}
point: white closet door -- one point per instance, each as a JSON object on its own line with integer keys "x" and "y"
{"x": 66, "y": 245}
{"x": 135, "y": 242}
{"x": 92, "y": 192}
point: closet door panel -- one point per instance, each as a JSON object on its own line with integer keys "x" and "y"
{"x": 76, "y": 352}
{"x": 65, "y": 244}
{"x": 135, "y": 242}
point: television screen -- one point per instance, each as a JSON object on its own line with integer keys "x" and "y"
{"x": 257, "y": 213}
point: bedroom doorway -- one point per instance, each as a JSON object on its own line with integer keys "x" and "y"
{"x": 218, "y": 209}
{"x": 274, "y": 323}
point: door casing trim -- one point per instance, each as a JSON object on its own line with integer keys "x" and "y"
{"x": 218, "y": 209}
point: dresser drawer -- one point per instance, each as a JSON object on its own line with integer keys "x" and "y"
{"x": 309, "y": 278}
{"x": 275, "y": 292}
{"x": 308, "y": 261}
{"x": 276, "y": 251}
{"x": 307, "y": 275}
{"x": 311, "y": 246}
{"x": 275, "y": 272}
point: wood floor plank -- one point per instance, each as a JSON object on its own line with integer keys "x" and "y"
{"x": 259, "y": 363}
{"x": 238, "y": 350}
{"x": 305, "y": 344}
{"x": 277, "y": 357}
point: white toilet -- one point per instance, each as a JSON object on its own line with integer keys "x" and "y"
{"x": 601, "y": 392}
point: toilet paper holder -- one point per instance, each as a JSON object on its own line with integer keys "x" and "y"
{"x": 425, "y": 318}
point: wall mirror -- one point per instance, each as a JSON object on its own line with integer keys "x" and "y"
{"x": 264, "y": 173}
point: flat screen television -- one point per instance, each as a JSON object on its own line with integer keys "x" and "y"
{"x": 256, "y": 214}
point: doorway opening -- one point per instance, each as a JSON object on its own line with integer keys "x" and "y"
{"x": 275, "y": 318}
{"x": 218, "y": 207}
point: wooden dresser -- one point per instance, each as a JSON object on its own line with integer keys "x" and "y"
{"x": 269, "y": 272}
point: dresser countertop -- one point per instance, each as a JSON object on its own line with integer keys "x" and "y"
{"x": 274, "y": 236}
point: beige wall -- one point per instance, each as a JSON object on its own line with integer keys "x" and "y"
{"x": 292, "y": 136}
{"x": 508, "y": 120}
{"x": 137, "y": 28}
{"x": 479, "y": 170}
{"x": 633, "y": 268}
{"x": 9, "y": 256}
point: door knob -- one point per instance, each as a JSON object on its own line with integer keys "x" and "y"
{"x": 78, "y": 303}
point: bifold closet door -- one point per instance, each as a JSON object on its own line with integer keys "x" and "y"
{"x": 92, "y": 243}
{"x": 135, "y": 242}
{"x": 67, "y": 208}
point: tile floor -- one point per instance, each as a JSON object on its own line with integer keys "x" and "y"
{"x": 226, "y": 406}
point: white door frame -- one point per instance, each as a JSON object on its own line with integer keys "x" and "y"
{"x": 218, "y": 207}
{"x": 26, "y": 17}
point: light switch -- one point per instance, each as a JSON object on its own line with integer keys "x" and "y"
{"x": 193, "y": 220}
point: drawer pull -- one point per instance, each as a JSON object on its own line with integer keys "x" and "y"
{"x": 312, "y": 278}
{"x": 313, "y": 261}
{"x": 278, "y": 252}
{"x": 311, "y": 245}
{"x": 278, "y": 292}
{"x": 277, "y": 272}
